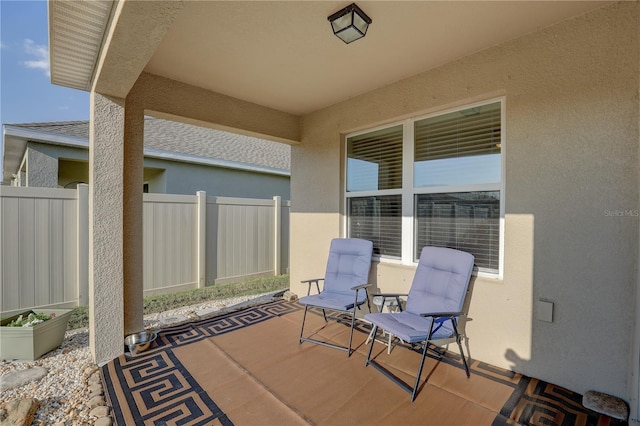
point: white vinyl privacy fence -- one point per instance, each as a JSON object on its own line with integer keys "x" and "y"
{"x": 190, "y": 241}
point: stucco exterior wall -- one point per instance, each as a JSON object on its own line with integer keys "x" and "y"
{"x": 173, "y": 100}
{"x": 571, "y": 166}
{"x": 60, "y": 165}
{"x": 42, "y": 169}
{"x": 65, "y": 171}
{"x": 106, "y": 218}
{"x": 186, "y": 178}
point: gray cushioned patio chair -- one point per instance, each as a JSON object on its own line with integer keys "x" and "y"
{"x": 433, "y": 308}
{"x": 345, "y": 284}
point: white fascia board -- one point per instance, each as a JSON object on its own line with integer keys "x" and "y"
{"x": 208, "y": 161}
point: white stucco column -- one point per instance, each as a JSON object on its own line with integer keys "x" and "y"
{"x": 106, "y": 183}
{"x": 115, "y": 224}
{"x": 133, "y": 173}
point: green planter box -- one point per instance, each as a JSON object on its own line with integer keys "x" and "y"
{"x": 30, "y": 343}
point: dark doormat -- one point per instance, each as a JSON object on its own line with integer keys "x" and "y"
{"x": 535, "y": 402}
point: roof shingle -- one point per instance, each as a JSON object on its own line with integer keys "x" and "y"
{"x": 183, "y": 138}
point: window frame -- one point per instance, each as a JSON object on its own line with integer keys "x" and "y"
{"x": 408, "y": 192}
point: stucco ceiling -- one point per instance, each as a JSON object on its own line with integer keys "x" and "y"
{"x": 283, "y": 54}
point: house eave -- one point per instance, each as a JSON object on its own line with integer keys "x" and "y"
{"x": 46, "y": 137}
{"x": 76, "y": 37}
{"x": 15, "y": 139}
{"x": 14, "y": 135}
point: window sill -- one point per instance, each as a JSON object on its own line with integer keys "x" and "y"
{"x": 487, "y": 276}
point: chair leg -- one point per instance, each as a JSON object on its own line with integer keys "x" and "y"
{"x": 373, "y": 342}
{"x": 464, "y": 360}
{"x": 459, "y": 341}
{"x": 304, "y": 317}
{"x": 325, "y": 343}
{"x": 366, "y": 293}
{"x": 415, "y": 387}
{"x": 353, "y": 324}
{"x": 424, "y": 354}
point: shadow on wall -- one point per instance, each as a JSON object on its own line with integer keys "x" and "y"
{"x": 516, "y": 361}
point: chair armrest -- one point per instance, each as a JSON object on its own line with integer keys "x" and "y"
{"x": 312, "y": 280}
{"x": 442, "y": 314}
{"x": 390, "y": 294}
{"x": 361, "y": 286}
{"x": 442, "y": 317}
{"x": 315, "y": 281}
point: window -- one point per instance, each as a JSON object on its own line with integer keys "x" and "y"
{"x": 458, "y": 148}
{"x": 467, "y": 221}
{"x": 375, "y": 161}
{"x": 374, "y": 177}
{"x": 378, "y": 219}
{"x": 442, "y": 172}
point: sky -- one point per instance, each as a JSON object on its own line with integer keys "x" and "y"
{"x": 26, "y": 92}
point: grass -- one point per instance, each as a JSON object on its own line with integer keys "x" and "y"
{"x": 165, "y": 302}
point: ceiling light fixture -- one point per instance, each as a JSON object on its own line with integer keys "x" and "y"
{"x": 350, "y": 23}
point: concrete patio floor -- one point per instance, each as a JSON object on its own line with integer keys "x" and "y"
{"x": 248, "y": 368}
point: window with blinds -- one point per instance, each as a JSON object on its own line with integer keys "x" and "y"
{"x": 453, "y": 191}
{"x": 374, "y": 164}
{"x": 374, "y": 160}
{"x": 467, "y": 221}
{"x": 377, "y": 219}
{"x": 458, "y": 148}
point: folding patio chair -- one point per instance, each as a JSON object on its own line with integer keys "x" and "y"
{"x": 345, "y": 279}
{"x": 433, "y": 308}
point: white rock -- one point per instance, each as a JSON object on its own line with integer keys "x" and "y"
{"x": 100, "y": 411}
{"x": 96, "y": 401}
{"x": 103, "y": 421}
{"x": 71, "y": 367}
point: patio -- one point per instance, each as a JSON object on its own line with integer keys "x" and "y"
{"x": 564, "y": 245}
{"x": 247, "y": 367}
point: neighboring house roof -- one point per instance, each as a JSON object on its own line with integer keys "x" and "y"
{"x": 162, "y": 139}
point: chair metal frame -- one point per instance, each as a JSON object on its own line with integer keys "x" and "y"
{"x": 344, "y": 277}
{"x": 458, "y": 320}
{"x": 350, "y": 312}
{"x": 438, "y": 318}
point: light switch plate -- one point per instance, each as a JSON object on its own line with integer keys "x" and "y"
{"x": 545, "y": 310}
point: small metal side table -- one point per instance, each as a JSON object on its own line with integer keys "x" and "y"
{"x": 392, "y": 306}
